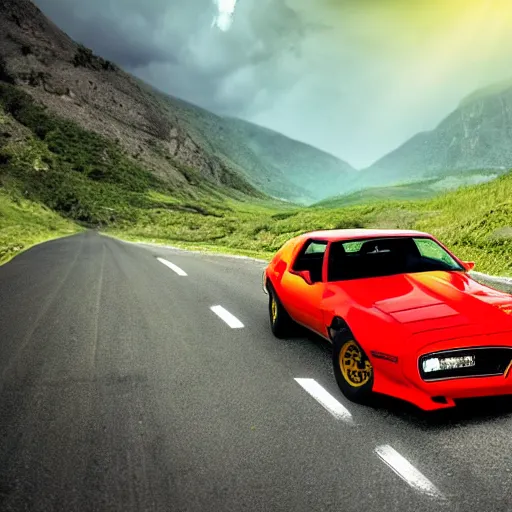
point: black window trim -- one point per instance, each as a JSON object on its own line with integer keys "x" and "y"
{"x": 305, "y": 245}
{"x": 302, "y": 251}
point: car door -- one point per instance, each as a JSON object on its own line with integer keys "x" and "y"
{"x": 301, "y": 299}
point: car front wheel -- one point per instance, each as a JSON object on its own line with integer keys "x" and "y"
{"x": 352, "y": 368}
{"x": 280, "y": 321}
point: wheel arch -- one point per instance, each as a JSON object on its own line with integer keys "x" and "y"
{"x": 338, "y": 324}
{"x": 269, "y": 284}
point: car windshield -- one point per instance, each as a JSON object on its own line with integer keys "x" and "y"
{"x": 387, "y": 256}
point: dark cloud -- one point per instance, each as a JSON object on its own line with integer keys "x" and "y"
{"x": 110, "y": 41}
{"x": 353, "y": 77}
{"x": 173, "y": 45}
{"x": 125, "y": 31}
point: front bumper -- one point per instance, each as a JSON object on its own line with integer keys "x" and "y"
{"x": 442, "y": 393}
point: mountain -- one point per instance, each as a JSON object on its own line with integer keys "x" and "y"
{"x": 281, "y": 167}
{"x": 163, "y": 133}
{"x": 305, "y": 166}
{"x": 477, "y": 135}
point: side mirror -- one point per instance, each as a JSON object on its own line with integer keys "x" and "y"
{"x": 468, "y": 265}
{"x": 305, "y": 274}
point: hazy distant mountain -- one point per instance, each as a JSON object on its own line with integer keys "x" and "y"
{"x": 307, "y": 167}
{"x": 279, "y": 166}
{"x": 162, "y": 132}
{"x": 477, "y": 135}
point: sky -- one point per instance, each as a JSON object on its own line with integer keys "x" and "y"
{"x": 356, "y": 78}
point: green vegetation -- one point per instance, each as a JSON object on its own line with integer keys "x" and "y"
{"x": 424, "y": 189}
{"x": 407, "y": 191}
{"x": 24, "y": 223}
{"x": 471, "y": 221}
{"x": 55, "y": 177}
{"x": 77, "y": 173}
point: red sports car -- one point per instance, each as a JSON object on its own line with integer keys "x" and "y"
{"x": 403, "y": 315}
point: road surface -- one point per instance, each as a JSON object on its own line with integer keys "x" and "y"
{"x": 121, "y": 389}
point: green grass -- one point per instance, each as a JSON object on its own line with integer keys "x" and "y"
{"x": 59, "y": 177}
{"x": 25, "y": 223}
{"x": 407, "y": 191}
{"x": 468, "y": 221}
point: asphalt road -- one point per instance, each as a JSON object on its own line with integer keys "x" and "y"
{"x": 121, "y": 390}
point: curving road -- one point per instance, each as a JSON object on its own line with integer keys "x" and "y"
{"x": 137, "y": 378}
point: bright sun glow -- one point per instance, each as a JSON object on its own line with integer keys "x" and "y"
{"x": 226, "y": 9}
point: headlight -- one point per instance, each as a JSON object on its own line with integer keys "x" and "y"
{"x": 437, "y": 364}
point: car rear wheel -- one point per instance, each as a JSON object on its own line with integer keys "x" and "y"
{"x": 280, "y": 321}
{"x": 352, "y": 368}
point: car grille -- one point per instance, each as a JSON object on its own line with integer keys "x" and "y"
{"x": 489, "y": 361}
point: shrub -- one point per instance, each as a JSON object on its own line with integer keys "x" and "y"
{"x": 5, "y": 76}
{"x": 22, "y": 107}
{"x": 107, "y": 65}
{"x": 84, "y": 57}
{"x": 36, "y": 78}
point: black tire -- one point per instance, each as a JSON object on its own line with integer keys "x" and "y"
{"x": 280, "y": 321}
{"x": 352, "y": 368}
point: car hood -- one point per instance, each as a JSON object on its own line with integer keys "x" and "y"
{"x": 430, "y": 301}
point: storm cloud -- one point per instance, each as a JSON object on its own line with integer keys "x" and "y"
{"x": 353, "y": 77}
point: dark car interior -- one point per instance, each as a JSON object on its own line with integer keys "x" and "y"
{"x": 381, "y": 257}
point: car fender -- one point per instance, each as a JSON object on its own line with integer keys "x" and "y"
{"x": 381, "y": 337}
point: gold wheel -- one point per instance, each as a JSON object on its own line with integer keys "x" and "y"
{"x": 356, "y": 371}
{"x": 273, "y": 309}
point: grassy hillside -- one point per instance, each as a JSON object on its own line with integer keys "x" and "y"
{"x": 475, "y": 222}
{"x": 55, "y": 177}
{"x": 406, "y": 191}
{"x": 412, "y": 191}
{"x": 79, "y": 173}
{"x": 25, "y": 223}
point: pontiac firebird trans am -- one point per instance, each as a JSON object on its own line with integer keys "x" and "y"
{"x": 403, "y": 315}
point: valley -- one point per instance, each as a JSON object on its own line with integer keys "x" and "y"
{"x": 84, "y": 145}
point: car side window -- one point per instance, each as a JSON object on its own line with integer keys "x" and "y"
{"x": 316, "y": 248}
{"x": 311, "y": 258}
{"x": 433, "y": 251}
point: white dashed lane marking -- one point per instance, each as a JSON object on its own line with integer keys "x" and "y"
{"x": 173, "y": 267}
{"x": 225, "y": 315}
{"x": 324, "y": 398}
{"x": 405, "y": 470}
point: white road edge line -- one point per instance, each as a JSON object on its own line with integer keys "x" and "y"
{"x": 225, "y": 315}
{"x": 325, "y": 399}
{"x": 405, "y": 470}
{"x": 172, "y": 266}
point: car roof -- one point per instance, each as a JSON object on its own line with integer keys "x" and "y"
{"x": 333, "y": 235}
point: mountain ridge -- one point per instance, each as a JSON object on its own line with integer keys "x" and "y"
{"x": 475, "y": 135}
{"x": 160, "y": 131}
